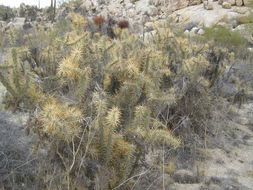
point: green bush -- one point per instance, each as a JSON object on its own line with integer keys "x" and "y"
{"x": 29, "y": 12}
{"x": 6, "y": 13}
{"x": 224, "y": 37}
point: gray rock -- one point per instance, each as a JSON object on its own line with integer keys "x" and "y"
{"x": 220, "y": 2}
{"x": 152, "y": 11}
{"x": 201, "y": 31}
{"x": 186, "y": 32}
{"x": 129, "y": 5}
{"x": 189, "y": 26}
{"x": 195, "y": 2}
{"x": 226, "y": 5}
{"x": 87, "y": 5}
{"x": 208, "y": 5}
{"x": 194, "y": 30}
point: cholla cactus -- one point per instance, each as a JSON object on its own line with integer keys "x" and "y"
{"x": 60, "y": 120}
{"x": 108, "y": 100}
{"x": 77, "y": 20}
{"x": 69, "y": 68}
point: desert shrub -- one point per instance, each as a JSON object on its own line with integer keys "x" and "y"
{"x": 248, "y": 18}
{"x": 245, "y": 19}
{"x": 224, "y": 37}
{"x": 29, "y": 12}
{"x": 50, "y": 12}
{"x": 6, "y": 13}
{"x": 102, "y": 104}
{"x": 249, "y": 3}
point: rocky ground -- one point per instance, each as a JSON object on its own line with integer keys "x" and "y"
{"x": 144, "y": 14}
{"x": 15, "y": 155}
{"x": 228, "y": 162}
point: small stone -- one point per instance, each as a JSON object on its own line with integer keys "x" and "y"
{"x": 201, "y": 31}
{"x": 194, "y": 30}
{"x": 186, "y": 32}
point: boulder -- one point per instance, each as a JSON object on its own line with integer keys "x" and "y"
{"x": 129, "y": 5}
{"x": 194, "y": 30}
{"x": 173, "y": 5}
{"x": 87, "y": 5}
{"x": 208, "y": 5}
{"x": 194, "y": 2}
{"x": 239, "y": 3}
{"x": 190, "y": 25}
{"x": 226, "y": 5}
{"x": 220, "y": 2}
{"x": 176, "y": 5}
{"x": 152, "y": 11}
{"x": 232, "y": 2}
{"x": 19, "y": 20}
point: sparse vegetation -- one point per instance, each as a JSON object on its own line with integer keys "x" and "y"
{"x": 245, "y": 19}
{"x": 224, "y": 37}
{"x": 29, "y": 12}
{"x": 6, "y": 13}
